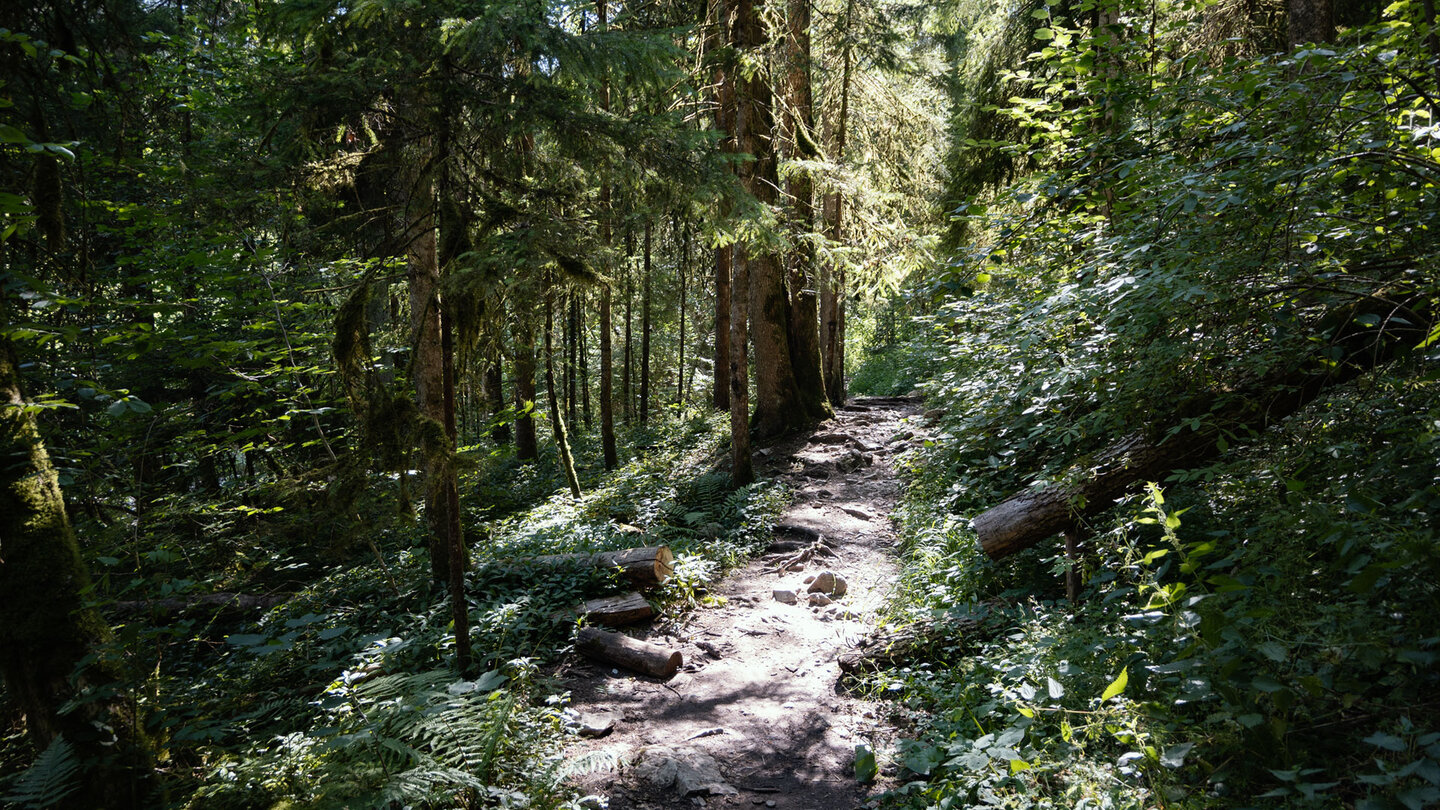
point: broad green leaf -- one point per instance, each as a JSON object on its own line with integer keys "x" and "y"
{"x": 1116, "y": 686}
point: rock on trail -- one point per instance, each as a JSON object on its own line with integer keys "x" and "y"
{"x": 754, "y": 717}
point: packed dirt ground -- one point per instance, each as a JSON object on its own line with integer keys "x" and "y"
{"x": 757, "y": 715}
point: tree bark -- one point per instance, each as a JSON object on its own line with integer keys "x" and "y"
{"x": 607, "y": 371}
{"x": 494, "y": 387}
{"x": 645, "y": 567}
{"x": 610, "y": 611}
{"x": 645, "y": 334}
{"x": 1309, "y": 21}
{"x": 832, "y": 283}
{"x": 626, "y": 401}
{"x": 1032, "y": 515}
{"x": 799, "y": 129}
{"x": 742, "y": 468}
{"x": 46, "y": 629}
{"x": 778, "y": 406}
{"x": 724, "y": 104}
{"x": 622, "y": 650}
{"x": 428, "y": 372}
{"x": 684, "y": 276}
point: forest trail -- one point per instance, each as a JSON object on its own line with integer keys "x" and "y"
{"x": 757, "y": 717}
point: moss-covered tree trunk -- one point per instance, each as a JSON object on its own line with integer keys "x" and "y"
{"x": 557, "y": 418}
{"x": 778, "y": 405}
{"x": 46, "y": 629}
{"x": 799, "y": 128}
{"x": 645, "y": 333}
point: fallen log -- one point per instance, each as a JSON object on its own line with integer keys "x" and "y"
{"x": 221, "y": 603}
{"x": 645, "y": 567}
{"x": 630, "y": 653}
{"x": 610, "y": 611}
{"x": 1030, "y": 516}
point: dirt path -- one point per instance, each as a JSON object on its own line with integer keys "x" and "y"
{"x": 756, "y": 716}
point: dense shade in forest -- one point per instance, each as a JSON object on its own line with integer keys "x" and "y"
{"x": 322, "y": 320}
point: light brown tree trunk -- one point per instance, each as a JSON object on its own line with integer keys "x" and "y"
{"x": 799, "y": 133}
{"x": 46, "y": 629}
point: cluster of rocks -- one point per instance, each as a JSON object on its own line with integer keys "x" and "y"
{"x": 819, "y": 592}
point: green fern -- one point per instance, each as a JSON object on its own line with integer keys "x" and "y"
{"x": 49, "y": 780}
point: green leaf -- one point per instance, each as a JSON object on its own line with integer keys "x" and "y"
{"x": 1054, "y": 688}
{"x": 866, "y": 768}
{"x": 1116, "y": 686}
{"x": 1174, "y": 756}
{"x": 1387, "y": 741}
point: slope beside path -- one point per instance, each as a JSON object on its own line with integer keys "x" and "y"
{"x": 757, "y": 717}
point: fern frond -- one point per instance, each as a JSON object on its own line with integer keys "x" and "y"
{"x": 50, "y": 778}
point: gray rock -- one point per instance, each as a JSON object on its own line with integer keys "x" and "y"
{"x": 784, "y": 595}
{"x": 595, "y": 724}
{"x": 819, "y": 600}
{"x": 686, "y": 770}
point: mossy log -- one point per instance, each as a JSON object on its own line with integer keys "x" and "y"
{"x": 645, "y": 567}
{"x": 630, "y": 653}
{"x": 1357, "y": 346}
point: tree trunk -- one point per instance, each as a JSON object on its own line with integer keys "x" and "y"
{"x": 1310, "y": 21}
{"x": 723, "y": 269}
{"x": 46, "y": 629}
{"x": 624, "y": 651}
{"x": 626, "y": 401}
{"x": 582, "y": 348}
{"x": 778, "y": 406}
{"x": 680, "y": 366}
{"x": 1032, "y": 515}
{"x": 557, "y": 420}
{"x": 607, "y": 405}
{"x": 572, "y": 358}
{"x": 832, "y": 284}
{"x": 428, "y": 372}
{"x": 724, "y": 103}
{"x": 799, "y": 132}
{"x": 494, "y": 387}
{"x": 526, "y": 446}
{"x": 645, "y": 334}
{"x": 742, "y": 469}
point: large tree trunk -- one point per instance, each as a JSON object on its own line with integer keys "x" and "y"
{"x": 46, "y": 629}
{"x": 527, "y": 447}
{"x": 626, "y": 401}
{"x": 1032, "y": 515}
{"x": 493, "y": 384}
{"x": 718, "y": 21}
{"x": 832, "y": 283}
{"x": 428, "y": 372}
{"x": 607, "y": 371}
{"x": 799, "y": 129}
{"x": 645, "y": 334}
{"x": 1310, "y": 21}
{"x": 778, "y": 406}
{"x": 684, "y": 276}
{"x": 742, "y": 468}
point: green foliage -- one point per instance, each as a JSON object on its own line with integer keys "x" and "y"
{"x": 48, "y": 780}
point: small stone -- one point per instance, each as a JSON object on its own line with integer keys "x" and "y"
{"x": 784, "y": 595}
{"x": 770, "y": 803}
{"x": 819, "y": 600}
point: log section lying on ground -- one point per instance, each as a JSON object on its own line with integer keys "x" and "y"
{"x": 221, "y": 603}
{"x": 1027, "y": 517}
{"x": 634, "y": 654}
{"x": 610, "y": 611}
{"x": 646, "y": 567}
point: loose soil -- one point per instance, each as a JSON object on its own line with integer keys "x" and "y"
{"x": 759, "y": 697}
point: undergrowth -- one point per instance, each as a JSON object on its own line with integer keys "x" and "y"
{"x": 344, "y": 695}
